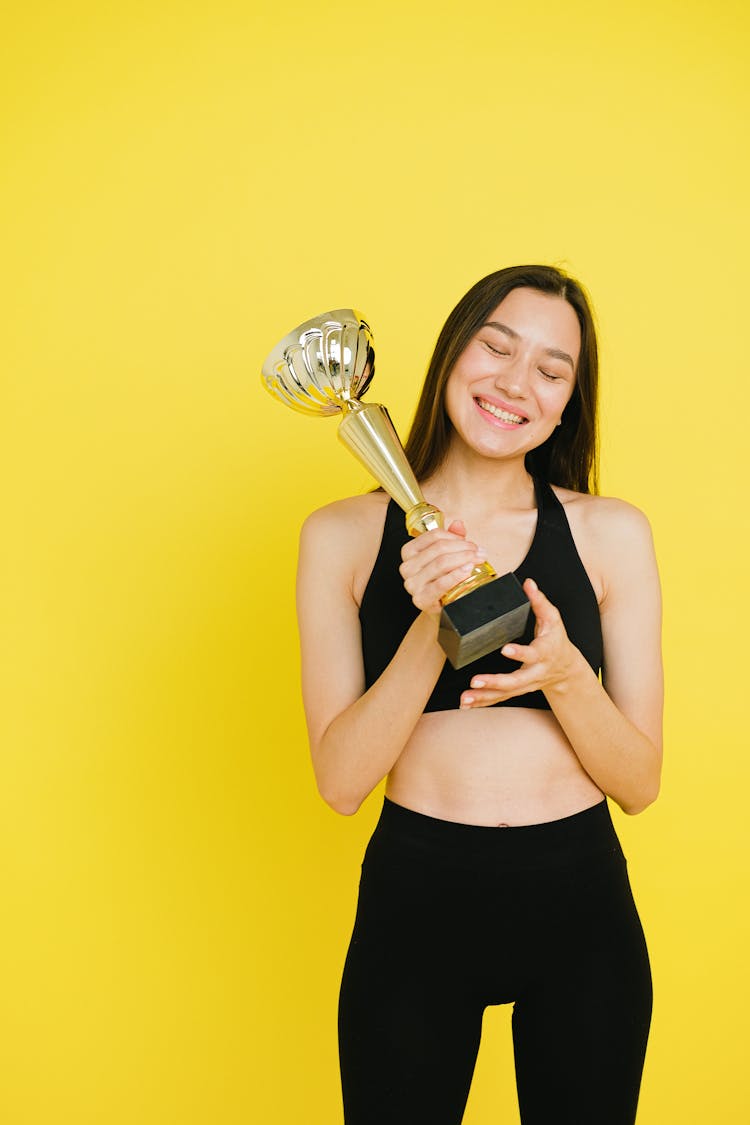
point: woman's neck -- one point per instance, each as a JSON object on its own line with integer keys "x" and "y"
{"x": 465, "y": 482}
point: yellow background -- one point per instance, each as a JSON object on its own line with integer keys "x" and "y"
{"x": 181, "y": 184}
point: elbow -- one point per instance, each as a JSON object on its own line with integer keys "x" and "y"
{"x": 632, "y": 809}
{"x": 343, "y": 807}
{"x": 642, "y": 802}
{"x": 342, "y": 803}
{"x": 648, "y": 786}
{"x": 334, "y": 785}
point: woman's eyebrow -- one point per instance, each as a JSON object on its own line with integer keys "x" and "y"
{"x": 502, "y": 328}
{"x": 555, "y": 352}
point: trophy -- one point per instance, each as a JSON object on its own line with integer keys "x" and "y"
{"x": 323, "y": 367}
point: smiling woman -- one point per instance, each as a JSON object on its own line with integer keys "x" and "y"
{"x": 571, "y": 456}
{"x": 511, "y": 378}
{"x": 494, "y": 875}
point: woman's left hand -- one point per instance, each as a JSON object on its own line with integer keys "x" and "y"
{"x": 548, "y": 660}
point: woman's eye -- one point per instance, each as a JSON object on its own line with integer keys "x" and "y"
{"x": 495, "y": 351}
{"x": 549, "y": 375}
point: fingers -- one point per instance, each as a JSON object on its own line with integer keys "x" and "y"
{"x": 436, "y": 561}
{"x": 542, "y": 607}
{"x": 439, "y": 556}
{"x": 425, "y": 548}
{"x": 427, "y": 595}
{"x": 546, "y": 661}
{"x": 485, "y": 690}
{"x": 427, "y": 540}
{"x": 429, "y": 581}
{"x": 524, "y": 654}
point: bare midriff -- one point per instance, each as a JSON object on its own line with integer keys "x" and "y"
{"x": 495, "y": 766}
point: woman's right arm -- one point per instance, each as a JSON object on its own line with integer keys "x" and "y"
{"x": 356, "y": 736}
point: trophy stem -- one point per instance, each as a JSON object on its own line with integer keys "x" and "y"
{"x": 368, "y": 432}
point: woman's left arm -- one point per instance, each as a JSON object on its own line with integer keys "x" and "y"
{"x": 614, "y": 727}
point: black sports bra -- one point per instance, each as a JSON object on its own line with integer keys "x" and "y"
{"x": 552, "y": 561}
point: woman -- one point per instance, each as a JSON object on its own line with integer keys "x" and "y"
{"x": 494, "y": 875}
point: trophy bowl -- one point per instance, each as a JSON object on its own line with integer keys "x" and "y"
{"x": 323, "y": 364}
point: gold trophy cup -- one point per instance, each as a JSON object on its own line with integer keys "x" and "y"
{"x": 323, "y": 367}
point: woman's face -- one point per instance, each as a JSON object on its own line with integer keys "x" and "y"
{"x": 510, "y": 385}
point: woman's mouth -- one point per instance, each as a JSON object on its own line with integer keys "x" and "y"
{"x": 505, "y": 416}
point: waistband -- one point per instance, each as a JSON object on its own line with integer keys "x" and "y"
{"x": 550, "y": 844}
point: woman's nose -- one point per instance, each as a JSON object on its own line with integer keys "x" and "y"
{"x": 513, "y": 379}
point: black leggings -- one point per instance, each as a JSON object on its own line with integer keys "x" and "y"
{"x": 453, "y": 917}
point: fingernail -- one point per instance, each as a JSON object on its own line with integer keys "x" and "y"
{"x": 467, "y": 700}
{"x": 507, "y": 650}
{"x": 477, "y": 683}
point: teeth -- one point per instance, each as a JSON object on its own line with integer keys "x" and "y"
{"x": 503, "y": 415}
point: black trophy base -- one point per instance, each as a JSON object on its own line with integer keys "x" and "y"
{"x": 483, "y": 620}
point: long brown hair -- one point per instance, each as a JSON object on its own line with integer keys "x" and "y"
{"x": 569, "y": 456}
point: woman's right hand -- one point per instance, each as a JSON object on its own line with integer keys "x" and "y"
{"x": 435, "y": 561}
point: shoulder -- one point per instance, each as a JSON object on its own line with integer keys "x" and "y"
{"x": 605, "y": 518}
{"x": 342, "y": 540}
{"x": 613, "y": 538}
{"x": 348, "y": 519}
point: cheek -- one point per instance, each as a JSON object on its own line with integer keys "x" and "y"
{"x": 457, "y": 389}
{"x": 450, "y": 403}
